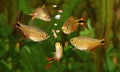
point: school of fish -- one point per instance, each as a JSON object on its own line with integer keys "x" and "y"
{"x": 70, "y": 25}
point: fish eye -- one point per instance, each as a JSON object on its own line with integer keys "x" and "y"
{"x": 18, "y": 24}
{"x": 46, "y": 36}
{"x": 71, "y": 39}
{"x": 102, "y": 41}
{"x": 60, "y": 44}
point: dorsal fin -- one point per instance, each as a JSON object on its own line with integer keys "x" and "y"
{"x": 43, "y": 6}
{"x": 70, "y": 18}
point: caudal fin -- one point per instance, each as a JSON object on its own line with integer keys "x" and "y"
{"x": 82, "y": 22}
{"x": 50, "y": 60}
{"x": 48, "y": 66}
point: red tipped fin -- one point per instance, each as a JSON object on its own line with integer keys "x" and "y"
{"x": 49, "y": 59}
{"x": 47, "y": 66}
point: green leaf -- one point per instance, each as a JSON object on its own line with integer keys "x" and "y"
{"x": 24, "y": 7}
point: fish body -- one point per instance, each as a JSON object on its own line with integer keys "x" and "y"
{"x": 86, "y": 43}
{"x": 33, "y": 33}
{"x": 71, "y": 25}
{"x": 57, "y": 55}
{"x": 41, "y": 13}
{"x": 59, "y": 51}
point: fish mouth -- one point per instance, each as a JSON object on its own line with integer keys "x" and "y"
{"x": 47, "y": 19}
{"x": 65, "y": 30}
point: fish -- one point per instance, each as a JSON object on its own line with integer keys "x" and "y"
{"x": 86, "y": 43}
{"x": 57, "y": 55}
{"x": 59, "y": 51}
{"x": 33, "y": 33}
{"x": 71, "y": 24}
{"x": 41, "y": 13}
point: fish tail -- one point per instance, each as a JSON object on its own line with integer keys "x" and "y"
{"x": 49, "y": 59}
{"x": 48, "y": 66}
{"x": 49, "y": 63}
{"x": 81, "y": 21}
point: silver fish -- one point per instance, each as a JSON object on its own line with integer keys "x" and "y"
{"x": 59, "y": 51}
{"x": 32, "y": 33}
{"x": 41, "y": 13}
{"x": 57, "y": 55}
{"x": 86, "y": 43}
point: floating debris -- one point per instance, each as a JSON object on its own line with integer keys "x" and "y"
{"x": 57, "y": 31}
{"x": 57, "y": 16}
{"x": 60, "y": 11}
{"x": 54, "y": 6}
{"x": 54, "y": 33}
{"x": 55, "y": 24}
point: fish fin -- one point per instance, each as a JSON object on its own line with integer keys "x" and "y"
{"x": 19, "y": 23}
{"x": 31, "y": 14}
{"x": 43, "y": 6}
{"x": 73, "y": 28}
{"x": 48, "y": 66}
{"x": 92, "y": 49}
{"x": 84, "y": 25}
{"x": 81, "y": 21}
{"x": 49, "y": 59}
{"x": 57, "y": 60}
{"x": 70, "y": 18}
{"x": 33, "y": 18}
{"x": 25, "y": 35}
{"x": 49, "y": 63}
{"x": 83, "y": 18}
